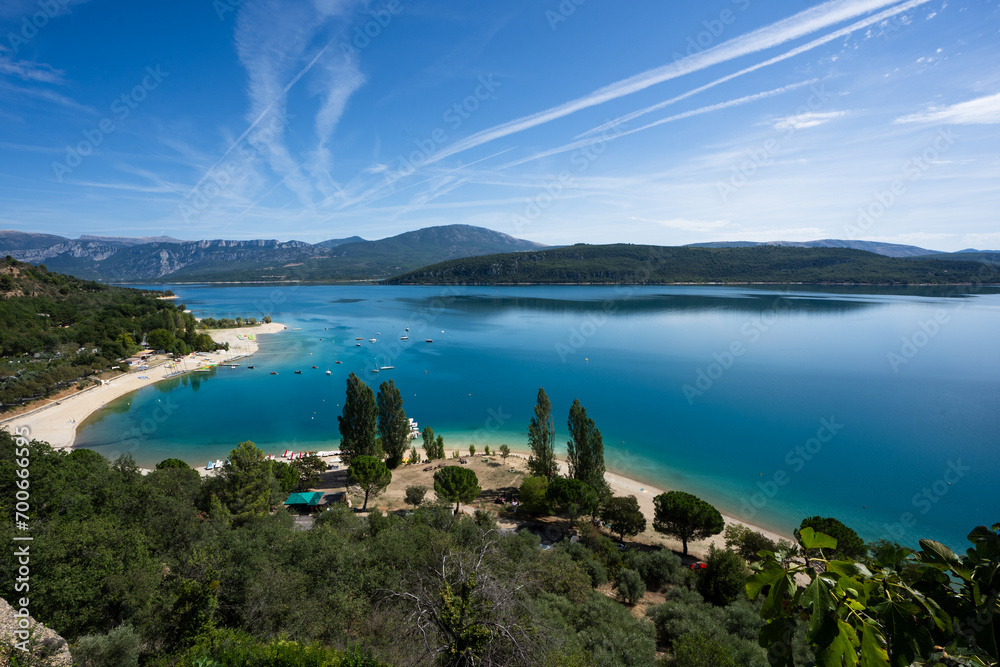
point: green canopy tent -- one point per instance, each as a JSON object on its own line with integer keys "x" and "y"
{"x": 307, "y": 499}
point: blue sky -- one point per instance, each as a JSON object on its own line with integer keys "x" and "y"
{"x": 557, "y": 121}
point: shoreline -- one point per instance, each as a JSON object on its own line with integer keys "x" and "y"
{"x": 56, "y": 422}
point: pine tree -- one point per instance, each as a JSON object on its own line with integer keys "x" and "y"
{"x": 430, "y": 447}
{"x": 586, "y": 449}
{"x": 542, "y": 439}
{"x": 359, "y": 422}
{"x": 393, "y": 428}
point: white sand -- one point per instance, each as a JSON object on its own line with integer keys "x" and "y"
{"x": 56, "y": 422}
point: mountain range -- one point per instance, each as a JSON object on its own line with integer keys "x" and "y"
{"x": 167, "y": 259}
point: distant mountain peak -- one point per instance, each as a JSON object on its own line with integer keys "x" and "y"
{"x": 877, "y": 247}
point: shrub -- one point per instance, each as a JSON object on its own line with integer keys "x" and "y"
{"x": 725, "y": 577}
{"x": 415, "y": 495}
{"x": 630, "y": 585}
{"x": 657, "y": 568}
{"x": 118, "y": 648}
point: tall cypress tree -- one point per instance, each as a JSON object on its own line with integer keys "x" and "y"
{"x": 542, "y": 439}
{"x": 393, "y": 428}
{"x": 359, "y": 422}
{"x": 586, "y": 449}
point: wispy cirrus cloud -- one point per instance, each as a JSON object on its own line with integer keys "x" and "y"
{"x": 808, "y": 21}
{"x": 808, "y": 119}
{"x": 27, "y": 70}
{"x": 980, "y": 111}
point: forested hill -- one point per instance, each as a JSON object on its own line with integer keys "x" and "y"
{"x": 57, "y": 330}
{"x": 644, "y": 264}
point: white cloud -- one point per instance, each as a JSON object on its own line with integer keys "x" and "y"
{"x": 984, "y": 110}
{"x": 810, "y": 119}
{"x": 796, "y": 26}
{"x": 28, "y": 71}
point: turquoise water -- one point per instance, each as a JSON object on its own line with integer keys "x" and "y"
{"x": 877, "y": 408}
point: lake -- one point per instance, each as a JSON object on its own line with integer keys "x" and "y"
{"x": 878, "y": 407}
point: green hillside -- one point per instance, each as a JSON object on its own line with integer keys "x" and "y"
{"x": 641, "y": 264}
{"x": 59, "y": 330}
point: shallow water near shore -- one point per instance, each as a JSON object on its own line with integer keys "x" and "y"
{"x": 875, "y": 406}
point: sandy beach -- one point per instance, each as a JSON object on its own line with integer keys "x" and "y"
{"x": 57, "y": 420}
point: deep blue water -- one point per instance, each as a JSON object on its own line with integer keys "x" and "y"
{"x": 773, "y": 404}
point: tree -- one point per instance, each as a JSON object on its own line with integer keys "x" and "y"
{"x": 286, "y": 476}
{"x": 686, "y": 517}
{"x": 624, "y": 515}
{"x": 439, "y": 445}
{"x": 572, "y": 497}
{"x": 534, "y": 495}
{"x": 310, "y": 469}
{"x": 430, "y": 447}
{"x": 472, "y": 450}
{"x": 161, "y": 339}
{"x": 370, "y": 475}
{"x": 415, "y": 495}
{"x": 393, "y": 427}
{"x": 172, "y": 463}
{"x": 630, "y": 585}
{"x": 414, "y": 456}
{"x": 359, "y": 422}
{"x": 486, "y": 450}
{"x": 586, "y": 449}
{"x": 849, "y": 544}
{"x": 504, "y": 452}
{"x": 542, "y": 439}
{"x": 456, "y": 484}
{"x": 724, "y": 577}
{"x": 248, "y": 480}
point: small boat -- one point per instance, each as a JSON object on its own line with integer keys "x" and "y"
{"x": 338, "y": 362}
{"x": 251, "y": 367}
{"x": 388, "y": 366}
{"x": 232, "y": 365}
{"x": 210, "y": 466}
{"x": 328, "y": 370}
{"x": 357, "y": 345}
{"x": 315, "y": 366}
{"x": 378, "y": 333}
{"x": 299, "y": 372}
{"x": 404, "y": 338}
{"x": 359, "y": 338}
{"x": 407, "y": 328}
{"x": 274, "y": 372}
{"x": 372, "y": 340}
{"x": 429, "y": 340}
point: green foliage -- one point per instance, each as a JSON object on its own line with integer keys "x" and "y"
{"x": 533, "y": 497}
{"x": 657, "y": 568}
{"x": 310, "y": 471}
{"x": 686, "y": 517}
{"x": 393, "y": 426}
{"x": 414, "y": 456}
{"x": 586, "y": 449}
{"x": 439, "y": 444}
{"x": 472, "y": 450}
{"x": 599, "y": 632}
{"x": 286, "y": 476}
{"x": 248, "y": 481}
{"x": 415, "y": 495}
{"x": 77, "y": 328}
{"x": 624, "y": 516}
{"x": 630, "y": 585}
{"x": 542, "y": 439}
{"x": 456, "y": 484}
{"x": 695, "y": 631}
{"x": 904, "y": 607}
{"x": 571, "y": 497}
{"x": 849, "y": 544}
{"x": 486, "y": 450}
{"x": 701, "y": 650}
{"x": 748, "y": 543}
{"x": 724, "y": 578}
{"x": 172, "y": 463}
{"x": 430, "y": 447}
{"x": 504, "y": 452}
{"x": 359, "y": 422}
{"x": 117, "y": 648}
{"x": 369, "y": 474}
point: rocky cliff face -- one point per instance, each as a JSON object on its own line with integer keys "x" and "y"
{"x": 18, "y": 633}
